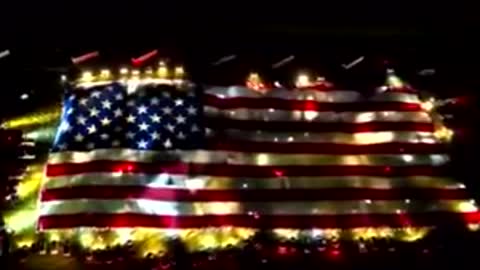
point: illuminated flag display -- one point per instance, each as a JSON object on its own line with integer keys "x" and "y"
{"x": 231, "y": 156}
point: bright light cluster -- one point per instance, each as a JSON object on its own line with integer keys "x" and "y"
{"x": 162, "y": 72}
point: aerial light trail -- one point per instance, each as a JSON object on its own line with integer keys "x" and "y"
{"x": 34, "y": 119}
{"x": 284, "y": 61}
{"x": 353, "y": 63}
{"x": 140, "y": 60}
{"x": 84, "y": 57}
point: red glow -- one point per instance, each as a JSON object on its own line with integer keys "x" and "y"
{"x": 334, "y": 254}
{"x": 85, "y": 57}
{"x": 278, "y": 173}
{"x": 282, "y": 250}
{"x": 140, "y": 60}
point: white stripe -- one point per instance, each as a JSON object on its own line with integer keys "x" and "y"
{"x": 313, "y": 116}
{"x": 361, "y": 138}
{"x": 239, "y": 158}
{"x": 314, "y": 95}
{"x": 151, "y": 207}
{"x": 212, "y": 182}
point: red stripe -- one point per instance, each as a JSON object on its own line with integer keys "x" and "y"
{"x": 239, "y": 170}
{"x": 256, "y": 221}
{"x": 228, "y": 144}
{"x": 307, "y": 105}
{"x": 252, "y": 195}
{"x": 218, "y": 123}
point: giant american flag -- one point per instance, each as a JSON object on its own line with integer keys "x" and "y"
{"x": 154, "y": 156}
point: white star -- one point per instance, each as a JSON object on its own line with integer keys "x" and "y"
{"x": 95, "y": 94}
{"x": 180, "y": 135}
{"x": 92, "y": 129}
{"x": 118, "y": 112}
{"x": 191, "y": 110}
{"x": 94, "y": 112}
{"x": 167, "y": 143}
{"x": 116, "y": 143}
{"x": 62, "y": 146}
{"x": 131, "y": 103}
{"x": 79, "y": 137}
{"x": 90, "y": 145}
{"x": 130, "y": 135}
{"x": 106, "y": 104}
{"x": 143, "y": 126}
{"x": 167, "y": 110}
{"x": 81, "y": 120}
{"x": 180, "y": 119}
{"x": 142, "y": 144}
{"x": 105, "y": 121}
{"x": 118, "y": 96}
{"x": 155, "y": 118}
{"x": 155, "y": 135}
{"x": 83, "y": 101}
{"x": 195, "y": 128}
{"x": 104, "y": 136}
{"x": 131, "y": 119}
{"x": 142, "y": 109}
{"x": 178, "y": 102}
{"x": 170, "y": 127}
{"x": 70, "y": 111}
{"x": 154, "y": 101}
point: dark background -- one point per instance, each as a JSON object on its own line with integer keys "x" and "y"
{"x": 409, "y": 36}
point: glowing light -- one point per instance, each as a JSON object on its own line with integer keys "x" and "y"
{"x": 262, "y": 159}
{"x": 24, "y": 96}
{"x": 63, "y": 78}
{"x": 393, "y": 80}
{"x": 87, "y": 76}
{"x": 179, "y": 72}
{"x": 310, "y": 115}
{"x": 287, "y": 234}
{"x": 255, "y": 82}
{"x": 428, "y": 105}
{"x": 43, "y": 134}
{"x": 473, "y": 227}
{"x": 136, "y": 72}
{"x": 373, "y": 137}
{"x": 303, "y": 80}
{"x": 30, "y": 183}
{"x": 22, "y": 218}
{"x": 105, "y": 73}
{"x": 162, "y": 71}
{"x": 411, "y": 234}
{"x": 443, "y": 133}
{"x": 407, "y": 158}
{"x": 466, "y": 206}
{"x": 124, "y": 71}
{"x": 48, "y": 115}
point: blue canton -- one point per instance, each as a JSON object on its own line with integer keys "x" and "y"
{"x": 151, "y": 118}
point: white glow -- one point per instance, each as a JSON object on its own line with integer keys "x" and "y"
{"x": 303, "y": 80}
{"x": 365, "y": 117}
{"x": 195, "y": 183}
{"x": 262, "y": 159}
{"x": 290, "y": 139}
{"x": 24, "y": 96}
{"x": 407, "y": 158}
{"x": 310, "y": 115}
{"x": 367, "y": 201}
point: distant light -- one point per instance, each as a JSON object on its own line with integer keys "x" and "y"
{"x": 179, "y": 71}
{"x": 63, "y": 78}
{"x": 4, "y": 54}
{"x": 303, "y": 80}
{"x": 136, "y": 72}
{"x": 87, "y": 76}
{"x": 24, "y": 96}
{"x": 105, "y": 73}
{"x": 162, "y": 71}
{"x": 162, "y": 63}
{"x": 124, "y": 71}
{"x": 277, "y": 84}
{"x": 148, "y": 71}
